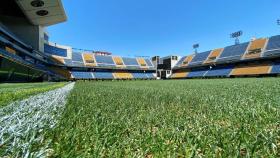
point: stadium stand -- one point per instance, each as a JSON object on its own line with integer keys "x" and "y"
{"x": 82, "y": 75}
{"x": 252, "y": 69}
{"x": 273, "y": 46}
{"x": 180, "y": 62}
{"x": 52, "y": 50}
{"x": 187, "y": 60}
{"x": 220, "y": 71}
{"x": 130, "y": 62}
{"x": 233, "y": 53}
{"x": 149, "y": 63}
{"x": 198, "y": 73}
{"x": 58, "y": 59}
{"x": 213, "y": 56}
{"x": 275, "y": 68}
{"x": 137, "y": 75}
{"x": 255, "y": 49}
{"x": 150, "y": 75}
{"x": 122, "y": 75}
{"x": 178, "y": 75}
{"x": 199, "y": 58}
{"x": 118, "y": 61}
{"x": 103, "y": 75}
{"x": 141, "y": 62}
{"x": 89, "y": 59}
{"x": 105, "y": 61}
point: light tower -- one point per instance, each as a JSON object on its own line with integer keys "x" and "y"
{"x": 195, "y": 47}
{"x": 236, "y": 36}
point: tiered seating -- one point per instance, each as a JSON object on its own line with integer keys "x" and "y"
{"x": 104, "y": 61}
{"x": 233, "y": 53}
{"x": 77, "y": 59}
{"x": 255, "y": 49}
{"x": 10, "y": 50}
{"x": 141, "y": 62}
{"x": 197, "y": 73}
{"x": 89, "y": 59}
{"x": 180, "y": 62}
{"x": 82, "y": 75}
{"x": 65, "y": 73}
{"x": 199, "y": 58}
{"x": 213, "y": 56}
{"x": 103, "y": 75}
{"x": 150, "y": 75}
{"x": 137, "y": 75}
{"x": 123, "y": 75}
{"x": 275, "y": 68}
{"x": 219, "y": 71}
{"x": 187, "y": 60}
{"x": 55, "y": 50}
{"x": 130, "y": 62}
{"x": 58, "y": 59}
{"x": 273, "y": 46}
{"x": 179, "y": 75}
{"x": 118, "y": 61}
{"x": 149, "y": 63}
{"x": 255, "y": 69}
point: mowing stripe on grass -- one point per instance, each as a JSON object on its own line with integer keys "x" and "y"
{"x": 23, "y": 123}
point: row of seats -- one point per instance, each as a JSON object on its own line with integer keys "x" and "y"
{"x": 259, "y": 48}
{"x": 231, "y": 70}
{"x": 77, "y": 59}
{"x": 52, "y": 50}
{"x": 111, "y": 75}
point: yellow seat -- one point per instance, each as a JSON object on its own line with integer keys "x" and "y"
{"x": 89, "y": 59}
{"x": 179, "y": 75}
{"x": 118, "y": 61}
{"x": 213, "y": 55}
{"x": 142, "y": 62}
{"x": 255, "y": 48}
{"x": 10, "y": 50}
{"x": 187, "y": 60}
{"x": 123, "y": 75}
{"x": 255, "y": 69}
{"x": 58, "y": 59}
{"x": 62, "y": 72}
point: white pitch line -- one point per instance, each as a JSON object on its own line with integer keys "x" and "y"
{"x": 22, "y": 122}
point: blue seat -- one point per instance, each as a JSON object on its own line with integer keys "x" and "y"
{"x": 137, "y": 75}
{"x": 275, "y": 68}
{"x": 55, "y": 50}
{"x": 76, "y": 56}
{"x": 149, "y": 62}
{"x": 199, "y": 58}
{"x": 104, "y": 60}
{"x": 103, "y": 75}
{"x": 130, "y": 62}
{"x": 68, "y": 62}
{"x": 150, "y": 75}
{"x": 197, "y": 73}
{"x": 180, "y": 62}
{"x": 233, "y": 53}
{"x": 221, "y": 71}
{"x": 82, "y": 75}
{"x": 273, "y": 46}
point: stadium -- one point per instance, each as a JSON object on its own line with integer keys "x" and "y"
{"x": 60, "y": 101}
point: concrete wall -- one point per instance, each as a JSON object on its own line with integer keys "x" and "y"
{"x": 24, "y": 30}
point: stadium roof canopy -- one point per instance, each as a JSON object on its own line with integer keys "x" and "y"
{"x": 43, "y": 12}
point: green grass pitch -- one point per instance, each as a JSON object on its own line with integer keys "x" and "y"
{"x": 179, "y": 118}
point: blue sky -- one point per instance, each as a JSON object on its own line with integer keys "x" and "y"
{"x": 163, "y": 27}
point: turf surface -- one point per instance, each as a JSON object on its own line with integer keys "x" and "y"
{"x": 182, "y": 118}
{"x": 10, "y": 92}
